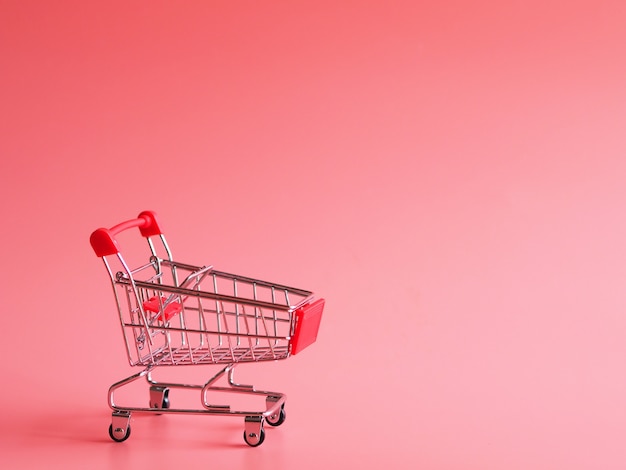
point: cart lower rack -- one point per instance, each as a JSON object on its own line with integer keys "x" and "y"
{"x": 175, "y": 314}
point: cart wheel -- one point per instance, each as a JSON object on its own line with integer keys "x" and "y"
{"x": 278, "y": 418}
{"x": 119, "y": 434}
{"x": 159, "y": 397}
{"x": 164, "y": 405}
{"x": 254, "y": 439}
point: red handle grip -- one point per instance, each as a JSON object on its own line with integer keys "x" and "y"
{"x": 103, "y": 239}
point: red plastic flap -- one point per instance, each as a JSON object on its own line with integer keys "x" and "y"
{"x": 154, "y": 305}
{"x": 308, "y": 318}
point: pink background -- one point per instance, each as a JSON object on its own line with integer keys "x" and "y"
{"x": 448, "y": 175}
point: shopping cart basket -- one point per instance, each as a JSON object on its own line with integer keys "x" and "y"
{"x": 175, "y": 314}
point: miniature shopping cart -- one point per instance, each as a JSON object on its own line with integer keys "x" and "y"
{"x": 175, "y": 314}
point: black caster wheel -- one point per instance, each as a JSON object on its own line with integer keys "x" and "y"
{"x": 119, "y": 434}
{"x": 254, "y": 439}
{"x": 278, "y": 418}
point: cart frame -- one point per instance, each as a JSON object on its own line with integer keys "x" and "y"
{"x": 208, "y": 318}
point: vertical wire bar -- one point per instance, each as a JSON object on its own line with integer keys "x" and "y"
{"x": 169, "y": 258}
{"x": 256, "y": 318}
{"x": 201, "y": 320}
{"x": 185, "y": 332}
{"x": 151, "y": 245}
{"x": 267, "y": 333}
{"x": 217, "y": 312}
{"x": 245, "y": 317}
{"x": 236, "y": 312}
{"x": 168, "y": 335}
{"x": 206, "y": 329}
{"x": 274, "y": 316}
{"x": 290, "y": 314}
{"x": 226, "y": 330}
{"x": 181, "y": 316}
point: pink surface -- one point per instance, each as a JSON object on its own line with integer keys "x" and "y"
{"x": 449, "y": 177}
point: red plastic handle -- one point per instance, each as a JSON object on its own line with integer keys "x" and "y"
{"x": 103, "y": 239}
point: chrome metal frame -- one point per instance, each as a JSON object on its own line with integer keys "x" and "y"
{"x": 223, "y": 319}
